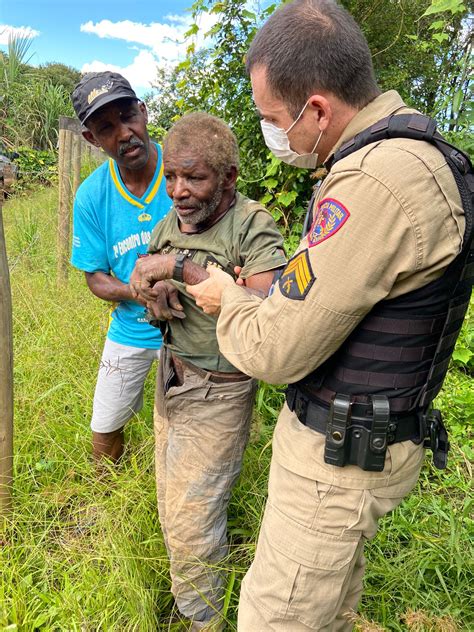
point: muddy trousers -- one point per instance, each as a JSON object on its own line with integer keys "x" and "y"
{"x": 201, "y": 430}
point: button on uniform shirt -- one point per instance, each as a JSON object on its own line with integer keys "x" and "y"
{"x": 112, "y": 227}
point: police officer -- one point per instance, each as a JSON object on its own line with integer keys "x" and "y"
{"x": 353, "y": 323}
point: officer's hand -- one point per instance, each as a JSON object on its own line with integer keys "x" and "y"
{"x": 239, "y": 281}
{"x": 208, "y": 293}
{"x": 165, "y": 305}
{"x": 148, "y": 270}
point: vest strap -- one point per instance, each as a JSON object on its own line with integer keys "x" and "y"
{"x": 324, "y": 394}
{"x": 468, "y": 272}
{"x": 392, "y": 354}
{"x": 447, "y": 343}
{"x": 385, "y": 380}
{"x": 403, "y": 326}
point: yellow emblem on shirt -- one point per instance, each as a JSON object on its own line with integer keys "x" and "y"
{"x": 298, "y": 277}
{"x": 144, "y": 217}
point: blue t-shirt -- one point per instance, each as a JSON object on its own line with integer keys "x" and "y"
{"x": 112, "y": 228}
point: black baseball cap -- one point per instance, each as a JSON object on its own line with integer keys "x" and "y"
{"x": 96, "y": 89}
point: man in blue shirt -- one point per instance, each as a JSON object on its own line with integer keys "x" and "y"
{"x": 115, "y": 210}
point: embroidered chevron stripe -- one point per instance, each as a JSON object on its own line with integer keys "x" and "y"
{"x": 297, "y": 277}
{"x": 300, "y": 267}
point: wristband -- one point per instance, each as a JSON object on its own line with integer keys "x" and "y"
{"x": 178, "y": 268}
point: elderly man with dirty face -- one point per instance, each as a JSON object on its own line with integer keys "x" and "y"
{"x": 204, "y": 404}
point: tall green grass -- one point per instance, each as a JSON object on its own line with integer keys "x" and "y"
{"x": 83, "y": 553}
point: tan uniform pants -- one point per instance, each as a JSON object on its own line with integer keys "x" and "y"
{"x": 201, "y": 430}
{"x": 309, "y": 563}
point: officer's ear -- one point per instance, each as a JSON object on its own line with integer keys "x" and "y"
{"x": 320, "y": 108}
{"x": 230, "y": 178}
{"x": 89, "y": 136}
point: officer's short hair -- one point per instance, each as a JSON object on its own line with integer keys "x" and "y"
{"x": 206, "y": 136}
{"x": 311, "y": 45}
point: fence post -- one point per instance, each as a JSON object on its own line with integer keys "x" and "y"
{"x": 65, "y": 196}
{"x": 76, "y": 158}
{"x": 6, "y": 381}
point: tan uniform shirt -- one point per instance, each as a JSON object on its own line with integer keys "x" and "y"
{"x": 246, "y": 236}
{"x": 389, "y": 219}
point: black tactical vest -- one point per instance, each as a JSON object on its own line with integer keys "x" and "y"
{"x": 402, "y": 348}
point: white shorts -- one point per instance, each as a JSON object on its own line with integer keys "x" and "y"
{"x": 119, "y": 389}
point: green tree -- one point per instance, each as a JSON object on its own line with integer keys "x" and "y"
{"x": 58, "y": 75}
{"x": 214, "y": 79}
{"x": 419, "y": 49}
{"x": 32, "y": 99}
{"x": 13, "y": 75}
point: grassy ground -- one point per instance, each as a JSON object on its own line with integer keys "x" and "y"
{"x": 86, "y": 554}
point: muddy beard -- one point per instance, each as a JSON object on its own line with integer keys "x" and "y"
{"x": 205, "y": 210}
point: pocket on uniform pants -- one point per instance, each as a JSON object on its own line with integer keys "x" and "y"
{"x": 298, "y": 573}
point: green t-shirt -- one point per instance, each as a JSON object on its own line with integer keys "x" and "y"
{"x": 246, "y": 236}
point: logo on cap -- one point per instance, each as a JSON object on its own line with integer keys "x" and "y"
{"x": 93, "y": 94}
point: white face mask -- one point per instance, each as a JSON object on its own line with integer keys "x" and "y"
{"x": 277, "y": 141}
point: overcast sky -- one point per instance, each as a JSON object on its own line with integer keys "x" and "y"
{"x": 128, "y": 36}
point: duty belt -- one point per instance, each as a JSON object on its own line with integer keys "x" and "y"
{"x": 353, "y": 436}
{"x": 358, "y": 434}
{"x": 315, "y": 416}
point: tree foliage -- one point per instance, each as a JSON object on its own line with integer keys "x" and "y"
{"x": 32, "y": 99}
{"x": 58, "y": 74}
{"x": 420, "y": 49}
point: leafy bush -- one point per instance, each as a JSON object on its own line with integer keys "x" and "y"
{"x": 36, "y": 166}
{"x": 156, "y": 132}
{"x": 31, "y": 99}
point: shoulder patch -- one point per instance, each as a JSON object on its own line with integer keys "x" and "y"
{"x": 331, "y": 216}
{"x": 298, "y": 277}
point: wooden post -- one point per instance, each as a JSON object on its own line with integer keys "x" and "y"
{"x": 76, "y": 158}
{"x": 6, "y": 381}
{"x": 69, "y": 128}
{"x": 65, "y": 190}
